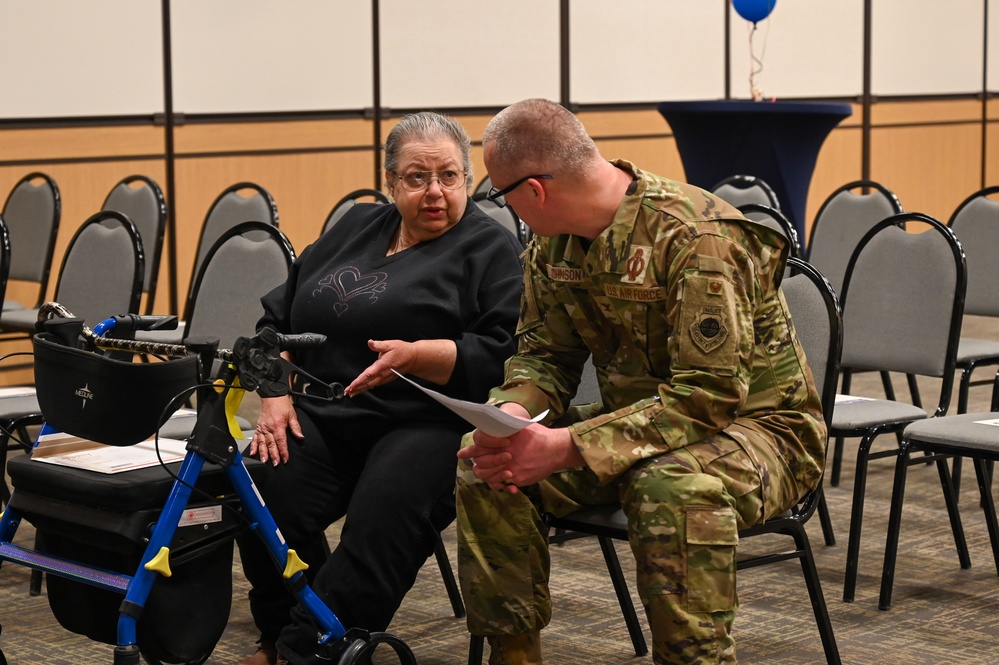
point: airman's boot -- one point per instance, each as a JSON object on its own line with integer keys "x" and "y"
{"x": 523, "y": 649}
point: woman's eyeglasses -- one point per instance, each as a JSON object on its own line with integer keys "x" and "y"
{"x": 417, "y": 181}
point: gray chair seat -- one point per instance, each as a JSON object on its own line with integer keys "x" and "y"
{"x": 966, "y": 428}
{"x": 979, "y": 350}
{"x": 18, "y": 319}
{"x": 863, "y": 414}
{"x": 162, "y": 336}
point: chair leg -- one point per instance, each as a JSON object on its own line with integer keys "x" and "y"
{"x": 825, "y": 520}
{"x": 857, "y": 517}
{"x": 950, "y": 498}
{"x": 846, "y": 379}
{"x": 476, "y": 645}
{"x": 818, "y": 599}
{"x": 914, "y": 390}
{"x": 837, "y": 467}
{"x": 4, "y": 490}
{"x": 963, "y": 391}
{"x": 35, "y": 582}
{"x": 894, "y": 527}
{"x": 984, "y": 476}
{"x": 888, "y": 387}
{"x": 447, "y": 573}
{"x": 623, "y": 595}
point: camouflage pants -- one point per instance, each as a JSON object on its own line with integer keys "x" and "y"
{"x": 684, "y": 511}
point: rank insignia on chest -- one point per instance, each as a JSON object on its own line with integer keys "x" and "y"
{"x": 708, "y": 331}
{"x": 637, "y": 264}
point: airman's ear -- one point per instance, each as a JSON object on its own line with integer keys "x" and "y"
{"x": 538, "y": 190}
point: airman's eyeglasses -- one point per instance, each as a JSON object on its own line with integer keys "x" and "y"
{"x": 498, "y": 196}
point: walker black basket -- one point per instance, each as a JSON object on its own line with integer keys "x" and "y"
{"x": 102, "y": 399}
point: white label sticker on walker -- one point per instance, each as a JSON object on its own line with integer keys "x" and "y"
{"x": 206, "y": 515}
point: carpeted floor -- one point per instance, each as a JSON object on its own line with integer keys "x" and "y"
{"x": 940, "y": 615}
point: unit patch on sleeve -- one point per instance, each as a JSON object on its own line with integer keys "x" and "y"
{"x": 708, "y": 330}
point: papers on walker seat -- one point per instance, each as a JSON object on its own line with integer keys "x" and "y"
{"x": 17, "y": 391}
{"x": 488, "y": 418}
{"x": 68, "y": 450}
{"x": 994, "y": 422}
{"x": 852, "y": 399}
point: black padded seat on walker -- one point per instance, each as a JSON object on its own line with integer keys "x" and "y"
{"x": 136, "y": 490}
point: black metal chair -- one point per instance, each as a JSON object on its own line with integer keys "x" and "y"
{"x": 349, "y": 201}
{"x": 141, "y": 200}
{"x": 973, "y": 435}
{"x": 742, "y": 189}
{"x": 815, "y": 315}
{"x": 903, "y": 305}
{"x": 843, "y": 219}
{"x": 775, "y": 219}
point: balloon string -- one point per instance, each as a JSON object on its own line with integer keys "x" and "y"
{"x": 756, "y": 63}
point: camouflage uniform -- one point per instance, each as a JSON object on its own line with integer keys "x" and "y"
{"x": 710, "y": 420}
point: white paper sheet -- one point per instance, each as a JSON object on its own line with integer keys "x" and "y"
{"x": 852, "y": 399}
{"x": 17, "y": 391}
{"x": 67, "y": 450}
{"x": 488, "y": 418}
{"x": 994, "y": 422}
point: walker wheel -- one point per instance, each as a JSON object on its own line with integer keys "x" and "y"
{"x": 361, "y": 647}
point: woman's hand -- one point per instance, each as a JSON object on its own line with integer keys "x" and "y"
{"x": 391, "y": 354}
{"x": 270, "y": 439}
{"x": 430, "y": 359}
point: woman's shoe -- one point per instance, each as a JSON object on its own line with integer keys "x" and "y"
{"x": 266, "y": 654}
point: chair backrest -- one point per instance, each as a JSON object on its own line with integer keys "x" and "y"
{"x": 4, "y": 257}
{"x": 506, "y": 216}
{"x": 141, "y": 200}
{"x": 818, "y": 324}
{"x": 903, "y": 300}
{"x": 484, "y": 185}
{"x": 774, "y": 219}
{"x": 349, "y": 201}
{"x": 741, "y": 189}
{"x": 242, "y": 202}
{"x": 976, "y": 224}
{"x": 101, "y": 273}
{"x": 245, "y": 263}
{"x": 843, "y": 219}
{"x": 32, "y": 212}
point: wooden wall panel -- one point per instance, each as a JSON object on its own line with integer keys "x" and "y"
{"x": 77, "y": 142}
{"x": 931, "y": 169}
{"x": 289, "y": 135}
{"x": 839, "y": 162}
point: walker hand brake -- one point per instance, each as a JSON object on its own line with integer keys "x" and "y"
{"x": 260, "y": 365}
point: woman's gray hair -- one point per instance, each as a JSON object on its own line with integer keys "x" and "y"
{"x": 428, "y": 126}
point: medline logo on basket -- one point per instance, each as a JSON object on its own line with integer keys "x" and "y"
{"x": 85, "y": 393}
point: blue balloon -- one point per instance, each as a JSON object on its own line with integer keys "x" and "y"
{"x": 754, "y": 10}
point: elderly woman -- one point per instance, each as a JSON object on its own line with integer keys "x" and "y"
{"x": 428, "y": 286}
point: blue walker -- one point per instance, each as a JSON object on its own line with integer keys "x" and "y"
{"x": 86, "y": 390}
